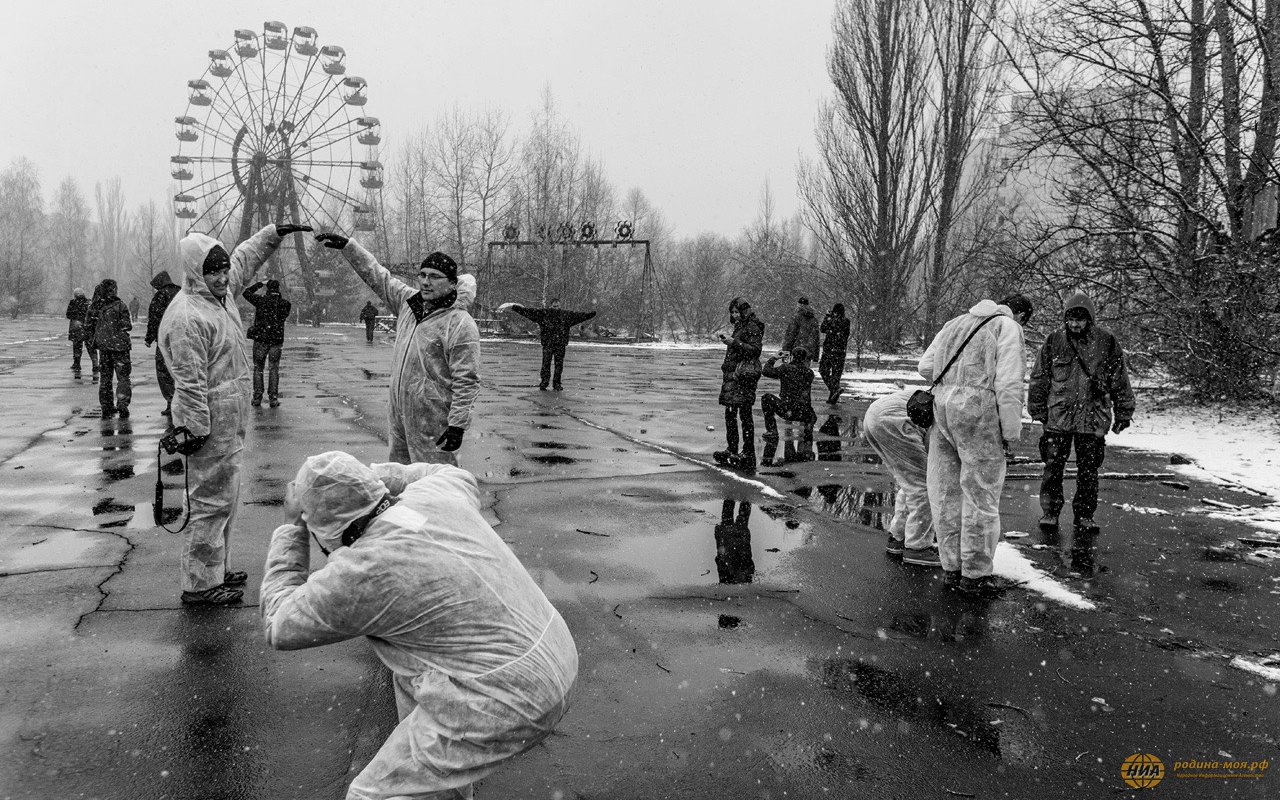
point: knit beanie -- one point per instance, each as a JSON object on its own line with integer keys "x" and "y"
{"x": 441, "y": 263}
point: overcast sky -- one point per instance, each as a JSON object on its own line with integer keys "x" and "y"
{"x": 697, "y": 102}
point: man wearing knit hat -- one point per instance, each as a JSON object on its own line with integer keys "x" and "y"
{"x": 435, "y": 373}
{"x": 203, "y": 345}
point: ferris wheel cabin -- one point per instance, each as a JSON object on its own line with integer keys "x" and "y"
{"x": 186, "y": 129}
{"x": 181, "y": 170}
{"x": 356, "y": 97}
{"x": 331, "y": 58}
{"x": 220, "y": 63}
{"x": 246, "y": 43}
{"x": 304, "y": 41}
{"x": 363, "y": 218}
{"x": 199, "y": 92}
{"x": 370, "y": 136}
{"x": 275, "y": 35}
{"x": 184, "y": 206}
{"x": 372, "y": 174}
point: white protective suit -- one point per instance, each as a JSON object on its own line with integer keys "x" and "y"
{"x": 203, "y": 345}
{"x": 435, "y": 366}
{"x": 903, "y": 447}
{"x": 482, "y": 662}
{"x": 978, "y": 403}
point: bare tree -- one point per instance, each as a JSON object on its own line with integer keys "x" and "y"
{"x": 153, "y": 243}
{"x": 70, "y": 247}
{"x": 112, "y": 232}
{"x": 23, "y": 284}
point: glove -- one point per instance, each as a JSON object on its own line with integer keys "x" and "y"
{"x": 1119, "y": 425}
{"x": 451, "y": 439}
{"x": 288, "y": 228}
{"x": 335, "y": 240}
{"x": 192, "y": 444}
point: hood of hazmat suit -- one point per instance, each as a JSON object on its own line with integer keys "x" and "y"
{"x": 203, "y": 345}
{"x": 333, "y": 490}
{"x": 435, "y": 365}
{"x": 977, "y": 404}
{"x": 482, "y": 662}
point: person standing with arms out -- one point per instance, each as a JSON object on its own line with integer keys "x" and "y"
{"x": 435, "y": 366}
{"x": 977, "y": 411}
{"x": 369, "y": 316}
{"x": 903, "y": 448}
{"x": 835, "y": 345}
{"x": 77, "y": 310}
{"x": 796, "y": 402}
{"x": 166, "y": 290}
{"x": 1079, "y": 378}
{"x": 803, "y": 329}
{"x": 553, "y": 328}
{"x": 112, "y": 324}
{"x": 740, "y": 372}
{"x": 271, "y": 312}
{"x": 204, "y": 347}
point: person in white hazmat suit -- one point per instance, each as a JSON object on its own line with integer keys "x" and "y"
{"x": 482, "y": 663}
{"x": 977, "y": 410}
{"x": 903, "y": 447}
{"x": 202, "y": 341}
{"x": 435, "y": 365}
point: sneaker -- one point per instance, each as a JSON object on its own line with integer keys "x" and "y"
{"x": 256, "y": 401}
{"x": 1049, "y": 522}
{"x": 921, "y": 556}
{"x": 275, "y": 402}
{"x": 235, "y": 578}
{"x": 221, "y": 595}
{"x": 893, "y": 546}
{"x": 723, "y": 456}
{"x": 984, "y": 587}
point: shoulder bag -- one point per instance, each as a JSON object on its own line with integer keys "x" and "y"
{"x": 920, "y": 404}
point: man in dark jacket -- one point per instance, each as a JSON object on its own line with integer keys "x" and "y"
{"x": 803, "y": 330}
{"x": 271, "y": 313}
{"x": 368, "y": 315}
{"x": 740, "y": 372}
{"x": 796, "y": 402}
{"x": 835, "y": 345}
{"x": 166, "y": 290}
{"x": 77, "y": 310}
{"x": 111, "y": 325}
{"x": 1079, "y": 377}
{"x": 553, "y": 326}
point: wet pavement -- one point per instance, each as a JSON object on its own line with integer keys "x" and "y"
{"x": 739, "y": 637}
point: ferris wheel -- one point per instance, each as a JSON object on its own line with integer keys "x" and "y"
{"x": 274, "y": 131}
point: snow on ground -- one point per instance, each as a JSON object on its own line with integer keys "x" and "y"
{"x": 1012, "y": 565}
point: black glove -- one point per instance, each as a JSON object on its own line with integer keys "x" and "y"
{"x": 1119, "y": 425}
{"x": 335, "y": 240}
{"x": 451, "y": 439}
{"x": 289, "y": 227}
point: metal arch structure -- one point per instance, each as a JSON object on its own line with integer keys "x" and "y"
{"x": 646, "y": 316}
{"x": 275, "y": 131}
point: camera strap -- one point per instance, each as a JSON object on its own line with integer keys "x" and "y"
{"x": 157, "y": 505}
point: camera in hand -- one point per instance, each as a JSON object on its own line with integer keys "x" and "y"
{"x": 170, "y": 440}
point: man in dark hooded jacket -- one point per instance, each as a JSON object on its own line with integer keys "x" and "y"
{"x": 77, "y": 310}
{"x": 166, "y": 290}
{"x": 553, "y": 327}
{"x": 369, "y": 316}
{"x": 271, "y": 313}
{"x": 1079, "y": 377}
{"x": 112, "y": 324}
{"x": 803, "y": 330}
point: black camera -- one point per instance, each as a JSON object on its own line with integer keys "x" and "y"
{"x": 169, "y": 442}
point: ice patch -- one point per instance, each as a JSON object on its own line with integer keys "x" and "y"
{"x": 1267, "y": 671}
{"x": 1011, "y": 564}
{"x": 1159, "y": 512}
{"x": 29, "y": 341}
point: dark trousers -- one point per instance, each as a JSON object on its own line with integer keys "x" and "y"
{"x": 1055, "y": 446}
{"x": 115, "y": 368}
{"x": 76, "y": 346}
{"x": 733, "y": 416}
{"x": 368, "y": 330}
{"x": 830, "y": 368}
{"x": 262, "y": 354}
{"x": 791, "y": 411}
{"x": 164, "y": 377}
{"x": 550, "y": 352}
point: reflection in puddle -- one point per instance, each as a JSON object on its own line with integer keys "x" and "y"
{"x": 733, "y": 544}
{"x": 558, "y": 446}
{"x": 553, "y": 459}
{"x": 868, "y": 506}
{"x": 109, "y": 505}
{"x": 118, "y": 473}
{"x": 729, "y": 621}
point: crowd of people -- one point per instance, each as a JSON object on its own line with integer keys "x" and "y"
{"x": 412, "y": 564}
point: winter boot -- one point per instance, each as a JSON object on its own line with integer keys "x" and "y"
{"x": 894, "y": 546}
{"x": 746, "y": 462}
{"x": 723, "y": 457}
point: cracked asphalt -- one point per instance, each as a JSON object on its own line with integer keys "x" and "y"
{"x": 738, "y": 638}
